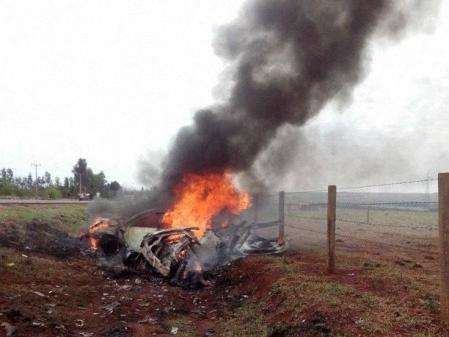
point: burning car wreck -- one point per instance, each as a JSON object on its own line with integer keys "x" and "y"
{"x": 177, "y": 254}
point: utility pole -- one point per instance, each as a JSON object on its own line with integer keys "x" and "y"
{"x": 36, "y": 165}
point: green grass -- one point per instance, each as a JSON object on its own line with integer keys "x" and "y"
{"x": 430, "y": 302}
{"x": 403, "y": 218}
{"x": 246, "y": 321}
{"x": 70, "y": 218}
{"x": 375, "y": 302}
{"x": 368, "y": 300}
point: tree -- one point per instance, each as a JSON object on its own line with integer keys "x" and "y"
{"x": 9, "y": 175}
{"x": 79, "y": 172}
{"x": 114, "y": 187}
{"x": 72, "y": 187}
{"x": 7, "y": 186}
{"x": 65, "y": 188}
{"x": 92, "y": 183}
{"x": 99, "y": 183}
{"x": 29, "y": 181}
{"x": 47, "y": 179}
{"x": 40, "y": 182}
{"x": 89, "y": 181}
{"x": 52, "y": 193}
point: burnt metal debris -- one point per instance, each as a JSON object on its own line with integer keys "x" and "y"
{"x": 175, "y": 254}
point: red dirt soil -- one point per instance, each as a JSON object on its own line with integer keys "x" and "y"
{"x": 291, "y": 294}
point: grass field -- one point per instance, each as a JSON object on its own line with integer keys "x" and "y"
{"x": 410, "y": 229}
{"x": 378, "y": 290}
{"x": 70, "y": 218}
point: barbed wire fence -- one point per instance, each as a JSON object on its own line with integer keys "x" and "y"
{"x": 388, "y": 220}
{"x": 400, "y": 215}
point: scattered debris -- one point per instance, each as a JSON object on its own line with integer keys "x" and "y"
{"x": 86, "y": 334}
{"x": 209, "y": 333}
{"x": 60, "y": 327}
{"x": 79, "y": 323}
{"x": 144, "y": 304}
{"x": 10, "y": 329}
{"x": 126, "y": 287}
{"x": 110, "y": 307}
{"x": 38, "y": 324}
{"x": 148, "y": 320}
{"x": 176, "y": 254}
{"x": 38, "y": 293}
{"x": 316, "y": 324}
{"x": 14, "y": 315}
{"x": 118, "y": 330}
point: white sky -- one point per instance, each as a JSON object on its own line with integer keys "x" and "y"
{"x": 111, "y": 80}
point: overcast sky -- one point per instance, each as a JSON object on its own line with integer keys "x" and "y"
{"x": 111, "y": 80}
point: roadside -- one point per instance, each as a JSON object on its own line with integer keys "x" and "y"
{"x": 12, "y": 202}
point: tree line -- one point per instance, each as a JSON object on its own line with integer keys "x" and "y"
{"x": 83, "y": 180}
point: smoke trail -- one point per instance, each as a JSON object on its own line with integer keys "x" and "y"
{"x": 338, "y": 154}
{"x": 288, "y": 59}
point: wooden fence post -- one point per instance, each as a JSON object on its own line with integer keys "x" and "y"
{"x": 281, "y": 235}
{"x": 443, "y": 225}
{"x": 331, "y": 217}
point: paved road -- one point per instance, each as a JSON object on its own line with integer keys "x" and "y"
{"x": 42, "y": 202}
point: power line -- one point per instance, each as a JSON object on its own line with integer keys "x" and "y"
{"x": 36, "y": 165}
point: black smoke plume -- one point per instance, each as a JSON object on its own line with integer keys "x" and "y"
{"x": 288, "y": 59}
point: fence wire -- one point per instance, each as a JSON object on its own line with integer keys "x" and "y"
{"x": 264, "y": 209}
{"x": 400, "y": 216}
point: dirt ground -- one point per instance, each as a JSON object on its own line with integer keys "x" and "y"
{"x": 375, "y": 292}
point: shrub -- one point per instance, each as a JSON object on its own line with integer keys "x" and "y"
{"x": 52, "y": 193}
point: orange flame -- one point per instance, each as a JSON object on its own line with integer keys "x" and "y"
{"x": 97, "y": 225}
{"x": 199, "y": 198}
